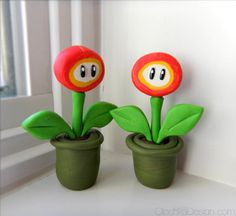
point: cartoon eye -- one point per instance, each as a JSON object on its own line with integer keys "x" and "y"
{"x": 86, "y": 73}
{"x": 93, "y": 71}
{"x": 162, "y": 74}
{"x": 155, "y": 76}
{"x": 152, "y": 73}
{"x": 82, "y": 71}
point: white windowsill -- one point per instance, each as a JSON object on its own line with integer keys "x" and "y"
{"x": 117, "y": 192}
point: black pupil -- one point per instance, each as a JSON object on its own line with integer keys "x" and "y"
{"x": 93, "y": 71}
{"x": 82, "y": 71}
{"x": 162, "y": 74}
{"x": 152, "y": 73}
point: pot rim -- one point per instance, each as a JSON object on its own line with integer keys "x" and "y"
{"x": 95, "y": 139}
{"x": 137, "y": 145}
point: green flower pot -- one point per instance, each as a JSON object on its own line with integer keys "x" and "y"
{"x": 77, "y": 161}
{"x": 154, "y": 164}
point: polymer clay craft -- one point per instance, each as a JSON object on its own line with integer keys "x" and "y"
{"x": 157, "y": 74}
{"x": 155, "y": 145}
{"x": 79, "y": 69}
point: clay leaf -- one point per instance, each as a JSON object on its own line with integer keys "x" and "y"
{"x": 98, "y": 115}
{"x": 47, "y": 125}
{"x": 132, "y": 119}
{"x": 179, "y": 120}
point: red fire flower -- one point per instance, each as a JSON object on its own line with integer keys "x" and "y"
{"x": 79, "y": 68}
{"x": 157, "y": 74}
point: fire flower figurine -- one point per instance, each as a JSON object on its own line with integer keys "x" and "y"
{"x": 78, "y": 148}
{"x": 155, "y": 148}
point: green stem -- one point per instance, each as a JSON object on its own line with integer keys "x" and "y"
{"x": 156, "y": 105}
{"x": 77, "y": 112}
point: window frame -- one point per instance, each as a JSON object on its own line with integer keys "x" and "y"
{"x": 33, "y": 157}
{"x": 7, "y": 82}
{"x": 66, "y": 26}
{"x": 38, "y": 65}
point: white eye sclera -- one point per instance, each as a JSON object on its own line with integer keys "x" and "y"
{"x": 157, "y": 75}
{"x": 86, "y": 72}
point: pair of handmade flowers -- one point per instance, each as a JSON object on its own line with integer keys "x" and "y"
{"x": 81, "y": 69}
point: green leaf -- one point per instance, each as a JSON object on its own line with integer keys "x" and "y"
{"x": 47, "y": 125}
{"x": 179, "y": 120}
{"x": 132, "y": 119}
{"x": 98, "y": 115}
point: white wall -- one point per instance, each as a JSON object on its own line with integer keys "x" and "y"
{"x": 202, "y": 36}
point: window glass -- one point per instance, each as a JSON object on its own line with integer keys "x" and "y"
{"x": 11, "y": 52}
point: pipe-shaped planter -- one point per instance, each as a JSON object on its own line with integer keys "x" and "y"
{"x": 77, "y": 161}
{"x": 154, "y": 165}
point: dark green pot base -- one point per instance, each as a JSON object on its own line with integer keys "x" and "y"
{"x": 77, "y": 161}
{"x": 154, "y": 164}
